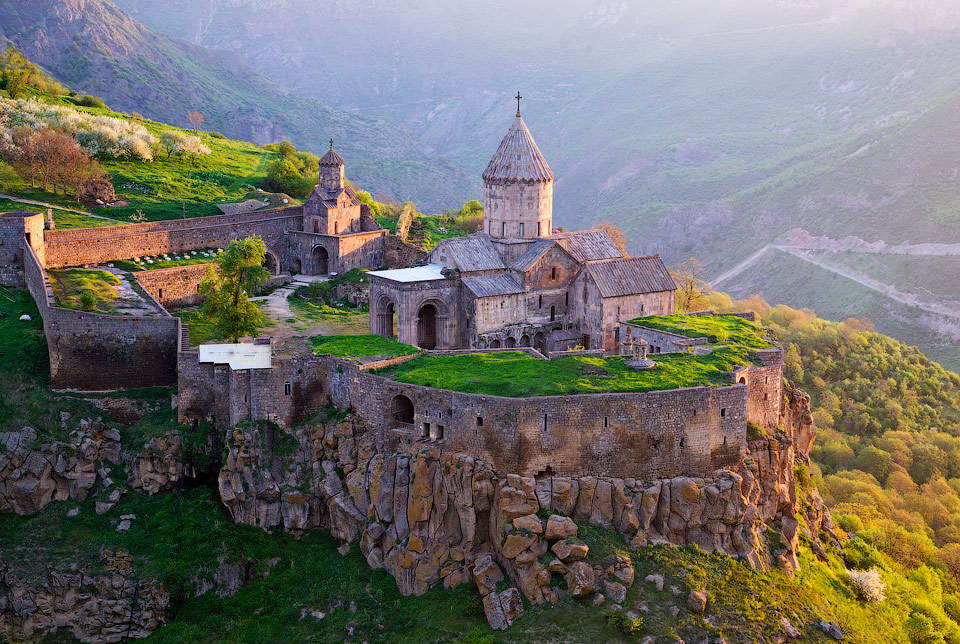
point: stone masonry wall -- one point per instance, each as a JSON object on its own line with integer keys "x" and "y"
{"x": 94, "y": 352}
{"x": 179, "y": 286}
{"x": 96, "y": 245}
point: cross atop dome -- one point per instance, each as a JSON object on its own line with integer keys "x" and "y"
{"x": 518, "y": 97}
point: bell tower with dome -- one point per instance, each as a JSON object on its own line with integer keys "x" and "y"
{"x": 518, "y": 187}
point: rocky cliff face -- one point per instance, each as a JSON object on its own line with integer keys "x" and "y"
{"x": 430, "y": 516}
{"x": 33, "y": 475}
{"x": 108, "y": 608}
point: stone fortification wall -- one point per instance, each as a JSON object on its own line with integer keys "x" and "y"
{"x": 94, "y": 352}
{"x": 288, "y": 393}
{"x": 179, "y": 286}
{"x": 655, "y": 434}
{"x": 18, "y": 229}
{"x": 97, "y": 245}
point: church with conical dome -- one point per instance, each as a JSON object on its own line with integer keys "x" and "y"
{"x": 518, "y": 282}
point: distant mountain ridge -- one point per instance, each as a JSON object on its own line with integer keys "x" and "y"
{"x": 704, "y": 129}
{"x": 93, "y": 46}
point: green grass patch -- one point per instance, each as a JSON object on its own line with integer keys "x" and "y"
{"x": 717, "y": 329}
{"x": 84, "y": 289}
{"x": 359, "y": 346}
{"x": 61, "y": 218}
{"x": 519, "y": 375}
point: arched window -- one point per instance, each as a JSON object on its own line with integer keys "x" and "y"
{"x": 540, "y": 305}
{"x": 553, "y": 273}
{"x": 553, "y": 313}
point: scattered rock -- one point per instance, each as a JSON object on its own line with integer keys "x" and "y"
{"x": 831, "y": 629}
{"x": 126, "y": 522}
{"x": 343, "y": 549}
{"x": 674, "y": 611}
{"x": 72, "y": 512}
{"x": 568, "y": 552}
{"x": 675, "y": 590}
{"x": 697, "y": 601}
{"x": 487, "y": 574}
{"x": 560, "y": 527}
{"x": 656, "y": 579}
{"x": 598, "y": 599}
{"x": 580, "y": 579}
{"x": 25, "y": 318}
{"x": 557, "y": 566}
{"x": 789, "y": 629}
{"x": 615, "y": 591}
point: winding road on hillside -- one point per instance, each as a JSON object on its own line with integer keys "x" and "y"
{"x": 888, "y": 290}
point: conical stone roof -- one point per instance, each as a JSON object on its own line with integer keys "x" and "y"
{"x": 518, "y": 158}
{"x": 331, "y": 158}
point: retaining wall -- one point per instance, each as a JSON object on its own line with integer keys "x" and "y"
{"x": 95, "y": 352}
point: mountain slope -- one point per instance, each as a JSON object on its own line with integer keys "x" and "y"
{"x": 92, "y": 46}
{"x": 701, "y": 129}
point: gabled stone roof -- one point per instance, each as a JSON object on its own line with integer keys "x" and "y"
{"x": 631, "y": 276}
{"x": 587, "y": 245}
{"x": 518, "y": 158}
{"x": 533, "y": 254}
{"x": 474, "y": 252}
{"x": 492, "y": 285}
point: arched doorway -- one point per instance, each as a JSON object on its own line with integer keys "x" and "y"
{"x": 297, "y": 267}
{"x": 427, "y": 327}
{"x": 539, "y": 342}
{"x": 524, "y": 340}
{"x": 495, "y": 344}
{"x": 742, "y": 380}
{"x": 271, "y": 263}
{"x": 385, "y": 311}
{"x": 511, "y": 342}
{"x": 321, "y": 261}
{"x": 401, "y": 411}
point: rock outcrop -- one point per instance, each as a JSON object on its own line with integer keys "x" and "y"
{"x": 159, "y": 466}
{"x": 430, "y": 516}
{"x": 108, "y": 608}
{"x": 34, "y": 475}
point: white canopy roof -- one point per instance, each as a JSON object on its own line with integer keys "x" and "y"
{"x": 414, "y": 274}
{"x": 238, "y": 356}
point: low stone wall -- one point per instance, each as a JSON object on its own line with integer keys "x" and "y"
{"x": 658, "y": 341}
{"x": 179, "y": 286}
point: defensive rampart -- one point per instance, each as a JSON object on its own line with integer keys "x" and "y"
{"x": 656, "y": 434}
{"x": 94, "y": 352}
{"x": 96, "y": 245}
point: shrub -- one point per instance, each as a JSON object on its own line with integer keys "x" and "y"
{"x": 476, "y": 636}
{"x": 619, "y": 620}
{"x": 92, "y": 101}
{"x": 921, "y": 630}
{"x": 88, "y": 301}
{"x": 868, "y": 584}
{"x": 850, "y": 523}
{"x": 217, "y": 135}
{"x": 755, "y": 432}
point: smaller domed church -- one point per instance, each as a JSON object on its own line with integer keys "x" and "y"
{"x": 517, "y": 282}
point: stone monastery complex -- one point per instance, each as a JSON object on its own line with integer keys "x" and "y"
{"x": 658, "y": 463}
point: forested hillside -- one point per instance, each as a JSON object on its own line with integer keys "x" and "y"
{"x": 887, "y": 456}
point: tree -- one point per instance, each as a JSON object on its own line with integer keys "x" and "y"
{"x": 171, "y": 141}
{"x": 615, "y": 235}
{"x": 239, "y": 271}
{"x": 17, "y": 84}
{"x": 196, "y": 119}
{"x": 692, "y": 288}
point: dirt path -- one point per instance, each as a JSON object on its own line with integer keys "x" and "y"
{"x": 739, "y": 268}
{"x": 50, "y": 205}
{"x": 278, "y": 307}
